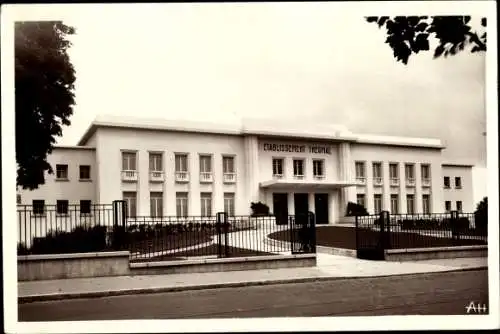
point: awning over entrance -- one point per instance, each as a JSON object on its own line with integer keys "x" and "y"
{"x": 281, "y": 184}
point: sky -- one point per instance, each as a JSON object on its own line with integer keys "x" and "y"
{"x": 292, "y": 61}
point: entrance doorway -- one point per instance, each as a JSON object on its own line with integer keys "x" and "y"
{"x": 321, "y": 208}
{"x": 280, "y": 208}
{"x": 301, "y": 204}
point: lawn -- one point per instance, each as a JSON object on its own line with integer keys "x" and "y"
{"x": 203, "y": 251}
{"x": 345, "y": 237}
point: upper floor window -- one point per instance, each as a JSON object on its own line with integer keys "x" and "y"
{"x": 458, "y": 182}
{"x": 205, "y": 164}
{"x": 228, "y": 165}
{"x": 409, "y": 172}
{"x": 446, "y": 182}
{"x": 426, "y": 172}
{"x": 377, "y": 170}
{"x": 84, "y": 172}
{"x": 181, "y": 163}
{"x": 129, "y": 161}
{"x": 318, "y": 168}
{"x": 360, "y": 170}
{"x": 155, "y": 162}
{"x": 62, "y": 172}
{"x": 393, "y": 170}
{"x": 298, "y": 167}
{"x": 278, "y": 167}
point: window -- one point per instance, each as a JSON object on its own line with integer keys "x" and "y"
{"x": 277, "y": 167}
{"x": 84, "y": 172}
{"x": 130, "y": 198}
{"x": 181, "y": 202}
{"x": 38, "y": 206}
{"x": 410, "y": 204}
{"x": 426, "y": 172}
{"x": 129, "y": 161}
{"x": 377, "y": 203}
{"x": 458, "y": 183}
{"x": 459, "y": 206}
{"x": 360, "y": 169}
{"x": 205, "y": 164}
{"x": 229, "y": 203}
{"x": 360, "y": 199}
{"x": 18, "y": 199}
{"x": 228, "y": 165}
{"x": 155, "y": 162}
{"x": 426, "y": 204}
{"x": 85, "y": 207}
{"x": 62, "y": 207}
{"x": 447, "y": 182}
{"x": 393, "y": 171}
{"x": 447, "y": 206}
{"x": 206, "y": 204}
{"x": 318, "y": 168}
{"x": 181, "y": 163}
{"x": 298, "y": 167}
{"x": 377, "y": 170}
{"x": 62, "y": 172}
{"x": 394, "y": 204}
{"x": 409, "y": 172}
{"x": 156, "y": 204}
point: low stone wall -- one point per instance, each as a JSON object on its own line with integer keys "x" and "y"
{"x": 416, "y": 254}
{"x": 230, "y": 264}
{"x": 58, "y": 266}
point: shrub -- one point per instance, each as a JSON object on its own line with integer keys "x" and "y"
{"x": 259, "y": 209}
{"x": 354, "y": 209}
{"x": 79, "y": 240}
{"x": 481, "y": 215}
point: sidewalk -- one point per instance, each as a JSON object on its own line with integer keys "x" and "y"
{"x": 329, "y": 267}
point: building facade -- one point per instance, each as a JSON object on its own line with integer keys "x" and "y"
{"x": 192, "y": 169}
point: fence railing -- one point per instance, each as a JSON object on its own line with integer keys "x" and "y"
{"x": 39, "y": 226}
{"x": 397, "y": 231}
{"x": 53, "y": 229}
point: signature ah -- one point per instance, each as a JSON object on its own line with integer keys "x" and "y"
{"x": 476, "y": 308}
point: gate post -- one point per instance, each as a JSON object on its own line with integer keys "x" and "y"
{"x": 384, "y": 221}
{"x": 454, "y": 225}
{"x": 221, "y": 228}
{"x": 312, "y": 232}
{"x": 356, "y": 230}
{"x": 119, "y": 222}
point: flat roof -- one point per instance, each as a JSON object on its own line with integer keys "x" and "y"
{"x": 73, "y": 147}
{"x": 261, "y": 127}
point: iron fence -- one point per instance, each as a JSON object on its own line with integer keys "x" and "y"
{"x": 62, "y": 228}
{"x": 51, "y": 229}
{"x": 375, "y": 233}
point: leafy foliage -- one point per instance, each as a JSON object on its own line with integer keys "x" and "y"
{"x": 44, "y": 79}
{"x": 481, "y": 214}
{"x": 259, "y": 209}
{"x": 410, "y": 34}
{"x": 354, "y": 209}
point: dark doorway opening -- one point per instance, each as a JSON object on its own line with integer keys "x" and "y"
{"x": 280, "y": 208}
{"x": 301, "y": 204}
{"x": 321, "y": 208}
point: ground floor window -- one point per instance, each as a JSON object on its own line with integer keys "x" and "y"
{"x": 410, "y": 204}
{"x": 426, "y": 204}
{"x": 394, "y": 204}
{"x": 181, "y": 202}
{"x": 229, "y": 203}
{"x": 360, "y": 199}
{"x": 130, "y": 198}
{"x": 377, "y": 203}
{"x": 85, "y": 206}
{"x": 156, "y": 204}
{"x": 62, "y": 207}
{"x": 459, "y": 206}
{"x": 206, "y": 204}
{"x": 447, "y": 206}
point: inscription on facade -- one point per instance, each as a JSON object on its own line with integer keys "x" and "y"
{"x": 293, "y": 148}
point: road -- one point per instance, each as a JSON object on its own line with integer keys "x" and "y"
{"x": 422, "y": 294}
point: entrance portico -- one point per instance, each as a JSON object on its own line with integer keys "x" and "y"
{"x": 325, "y": 199}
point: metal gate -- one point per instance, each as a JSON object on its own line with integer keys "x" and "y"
{"x": 303, "y": 233}
{"x": 373, "y": 236}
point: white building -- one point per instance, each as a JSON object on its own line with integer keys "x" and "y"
{"x": 185, "y": 168}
